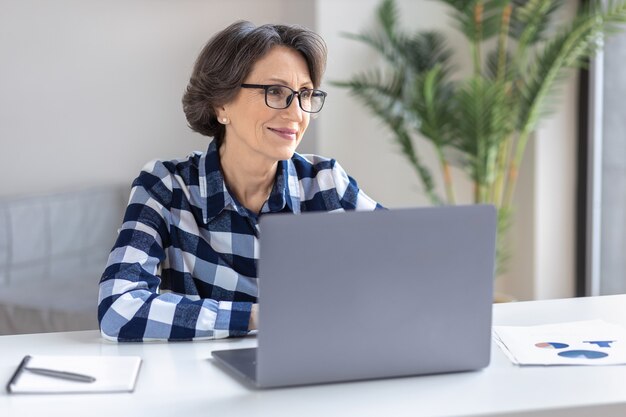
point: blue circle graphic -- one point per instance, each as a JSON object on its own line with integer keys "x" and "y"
{"x": 551, "y": 345}
{"x": 583, "y": 354}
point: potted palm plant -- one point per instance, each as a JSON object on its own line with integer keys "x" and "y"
{"x": 483, "y": 122}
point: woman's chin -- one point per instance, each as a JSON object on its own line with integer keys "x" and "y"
{"x": 287, "y": 154}
{"x": 285, "y": 150}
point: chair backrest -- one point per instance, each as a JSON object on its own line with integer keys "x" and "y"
{"x": 56, "y": 236}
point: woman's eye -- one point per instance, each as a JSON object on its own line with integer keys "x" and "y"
{"x": 275, "y": 91}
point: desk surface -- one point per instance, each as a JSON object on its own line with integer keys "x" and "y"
{"x": 182, "y": 379}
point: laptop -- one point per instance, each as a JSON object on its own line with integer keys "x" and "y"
{"x": 366, "y": 295}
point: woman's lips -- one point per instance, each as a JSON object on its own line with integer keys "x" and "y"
{"x": 288, "y": 134}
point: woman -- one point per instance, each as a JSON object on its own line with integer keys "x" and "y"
{"x": 184, "y": 264}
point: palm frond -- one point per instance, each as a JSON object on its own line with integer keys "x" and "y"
{"x": 477, "y": 19}
{"x": 433, "y": 105}
{"x": 566, "y": 50}
{"x": 503, "y": 251}
{"x": 492, "y": 63}
{"x": 381, "y": 44}
{"x": 387, "y": 15}
{"x": 384, "y": 97}
{"x": 532, "y": 18}
{"x": 482, "y": 124}
{"x": 425, "y": 50}
{"x": 377, "y": 92}
{"x": 528, "y": 23}
{"x": 384, "y": 39}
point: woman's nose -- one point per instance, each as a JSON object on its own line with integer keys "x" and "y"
{"x": 293, "y": 109}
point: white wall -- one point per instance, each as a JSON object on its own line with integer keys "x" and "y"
{"x": 90, "y": 90}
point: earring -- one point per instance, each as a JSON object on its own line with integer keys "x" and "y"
{"x": 224, "y": 120}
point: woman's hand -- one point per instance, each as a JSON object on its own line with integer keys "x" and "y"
{"x": 254, "y": 315}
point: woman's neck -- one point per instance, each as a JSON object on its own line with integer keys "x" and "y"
{"x": 249, "y": 177}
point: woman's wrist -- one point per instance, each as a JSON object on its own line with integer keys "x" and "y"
{"x": 254, "y": 314}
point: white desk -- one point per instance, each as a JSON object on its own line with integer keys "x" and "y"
{"x": 181, "y": 379}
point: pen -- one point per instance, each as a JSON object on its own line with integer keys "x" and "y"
{"x": 61, "y": 374}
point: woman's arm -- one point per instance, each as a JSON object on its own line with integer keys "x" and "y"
{"x": 130, "y": 307}
{"x": 254, "y": 317}
{"x": 351, "y": 197}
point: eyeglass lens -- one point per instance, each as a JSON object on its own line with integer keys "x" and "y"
{"x": 280, "y": 97}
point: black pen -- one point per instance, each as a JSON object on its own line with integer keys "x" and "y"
{"x": 71, "y": 376}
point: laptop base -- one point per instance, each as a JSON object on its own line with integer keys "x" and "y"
{"x": 241, "y": 362}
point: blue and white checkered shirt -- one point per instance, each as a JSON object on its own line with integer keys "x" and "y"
{"x": 184, "y": 265}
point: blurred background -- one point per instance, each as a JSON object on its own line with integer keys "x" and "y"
{"x": 90, "y": 91}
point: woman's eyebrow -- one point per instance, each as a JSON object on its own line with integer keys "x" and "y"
{"x": 307, "y": 84}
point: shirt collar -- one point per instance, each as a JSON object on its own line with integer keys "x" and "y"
{"x": 285, "y": 194}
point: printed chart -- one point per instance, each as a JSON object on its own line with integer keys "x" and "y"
{"x": 592, "y": 342}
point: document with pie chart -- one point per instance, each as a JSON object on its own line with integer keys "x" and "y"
{"x": 590, "y": 342}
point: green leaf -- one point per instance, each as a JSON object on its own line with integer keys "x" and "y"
{"x": 564, "y": 51}
{"x": 477, "y": 19}
{"x": 531, "y": 19}
{"x": 488, "y": 117}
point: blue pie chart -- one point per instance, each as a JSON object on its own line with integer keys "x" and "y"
{"x": 583, "y": 354}
{"x": 551, "y": 345}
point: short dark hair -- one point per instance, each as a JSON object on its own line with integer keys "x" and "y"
{"x": 227, "y": 59}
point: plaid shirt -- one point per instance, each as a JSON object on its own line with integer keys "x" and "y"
{"x": 184, "y": 263}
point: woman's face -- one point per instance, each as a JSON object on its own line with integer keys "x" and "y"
{"x": 269, "y": 133}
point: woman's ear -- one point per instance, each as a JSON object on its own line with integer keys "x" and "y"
{"x": 222, "y": 115}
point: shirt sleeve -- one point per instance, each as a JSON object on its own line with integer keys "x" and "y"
{"x": 351, "y": 197}
{"x": 130, "y": 307}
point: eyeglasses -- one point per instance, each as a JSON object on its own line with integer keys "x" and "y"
{"x": 280, "y": 97}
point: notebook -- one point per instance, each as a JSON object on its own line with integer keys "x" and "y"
{"x": 42, "y": 374}
{"x": 363, "y": 295}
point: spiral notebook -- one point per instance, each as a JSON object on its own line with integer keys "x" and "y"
{"x": 41, "y": 374}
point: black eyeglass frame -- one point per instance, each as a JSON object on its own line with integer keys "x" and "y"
{"x": 290, "y": 98}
